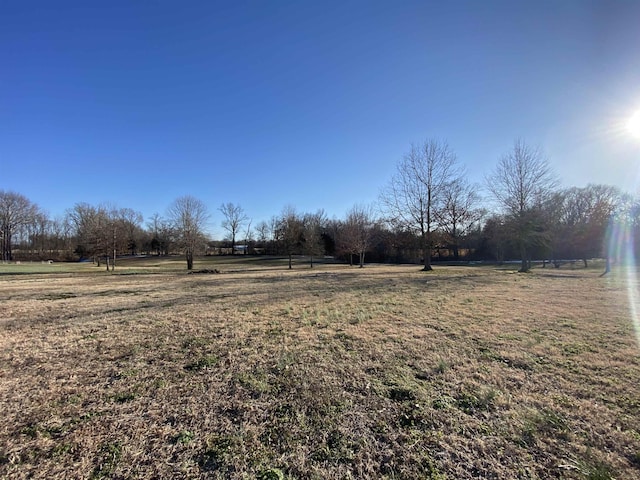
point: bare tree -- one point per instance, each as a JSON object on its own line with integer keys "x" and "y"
{"x": 16, "y": 212}
{"x": 587, "y": 213}
{"x": 130, "y": 223}
{"x": 416, "y": 191}
{"x": 289, "y": 232}
{"x": 248, "y": 238}
{"x": 459, "y": 213}
{"x": 162, "y": 234}
{"x": 188, "y": 216}
{"x": 520, "y": 183}
{"x": 263, "y": 231}
{"x": 313, "y": 224}
{"x": 92, "y": 228}
{"x": 356, "y": 232}
{"x": 234, "y": 219}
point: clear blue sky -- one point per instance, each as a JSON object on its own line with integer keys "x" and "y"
{"x": 310, "y": 104}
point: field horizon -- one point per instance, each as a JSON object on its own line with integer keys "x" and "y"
{"x": 331, "y": 372}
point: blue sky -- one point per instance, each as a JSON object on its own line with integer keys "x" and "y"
{"x": 310, "y": 104}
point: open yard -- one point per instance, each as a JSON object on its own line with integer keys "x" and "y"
{"x": 325, "y": 373}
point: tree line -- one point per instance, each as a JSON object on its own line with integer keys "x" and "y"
{"x": 427, "y": 212}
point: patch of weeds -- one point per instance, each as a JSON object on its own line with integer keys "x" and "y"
{"x": 470, "y": 403}
{"x": 207, "y": 361}
{"x": 577, "y": 349}
{"x": 359, "y": 317}
{"x": 109, "y": 455}
{"x": 271, "y": 474}
{"x": 487, "y": 353}
{"x": 256, "y": 382}
{"x": 34, "y": 430}
{"x": 275, "y": 332}
{"x": 31, "y": 430}
{"x": 338, "y": 448}
{"x": 430, "y": 469}
{"x": 62, "y": 449}
{"x": 184, "y": 437}
{"x": 124, "y": 397}
{"x": 544, "y": 422}
{"x": 217, "y": 450}
{"x": 442, "y": 366}
{"x": 285, "y": 360}
{"x": 74, "y": 399}
{"x": 347, "y": 340}
{"x": 129, "y": 372}
{"x": 443, "y": 402}
{"x": 414, "y": 416}
{"x": 401, "y": 394}
{"x": 194, "y": 342}
{"x": 159, "y": 383}
{"x": 591, "y": 468}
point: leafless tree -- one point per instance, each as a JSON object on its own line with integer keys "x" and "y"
{"x": 263, "y": 230}
{"x": 162, "y": 234}
{"x": 188, "y": 216}
{"x": 460, "y": 212}
{"x": 357, "y": 230}
{"x": 234, "y": 219}
{"x": 89, "y": 225}
{"x": 586, "y": 214}
{"x": 129, "y": 223}
{"x": 313, "y": 224}
{"x": 289, "y": 233}
{"x": 16, "y": 212}
{"x": 416, "y": 191}
{"x": 520, "y": 183}
{"x": 248, "y": 238}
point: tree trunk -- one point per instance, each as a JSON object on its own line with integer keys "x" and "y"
{"x": 585, "y": 262}
{"x": 189, "y": 260}
{"x": 524, "y": 264}
{"x": 426, "y": 252}
{"x": 289, "y": 261}
{"x": 607, "y": 266}
{"x": 311, "y": 261}
{"x": 361, "y": 259}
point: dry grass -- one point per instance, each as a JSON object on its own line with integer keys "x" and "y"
{"x": 382, "y": 372}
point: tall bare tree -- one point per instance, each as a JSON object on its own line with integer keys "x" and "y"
{"x": 16, "y": 212}
{"x": 162, "y": 234}
{"x": 289, "y": 232}
{"x": 357, "y": 230}
{"x": 459, "y": 213}
{"x": 416, "y": 191}
{"x": 234, "y": 219}
{"x": 313, "y": 224}
{"x": 188, "y": 216}
{"x": 521, "y": 183}
{"x": 130, "y": 223}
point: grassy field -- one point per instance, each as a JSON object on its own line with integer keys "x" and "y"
{"x": 330, "y": 373}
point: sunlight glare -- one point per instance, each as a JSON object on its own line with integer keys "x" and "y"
{"x": 633, "y": 125}
{"x": 620, "y": 248}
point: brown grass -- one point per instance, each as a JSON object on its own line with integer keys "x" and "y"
{"x": 382, "y": 372}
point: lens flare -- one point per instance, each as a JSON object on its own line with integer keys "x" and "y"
{"x": 633, "y": 125}
{"x": 620, "y": 247}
